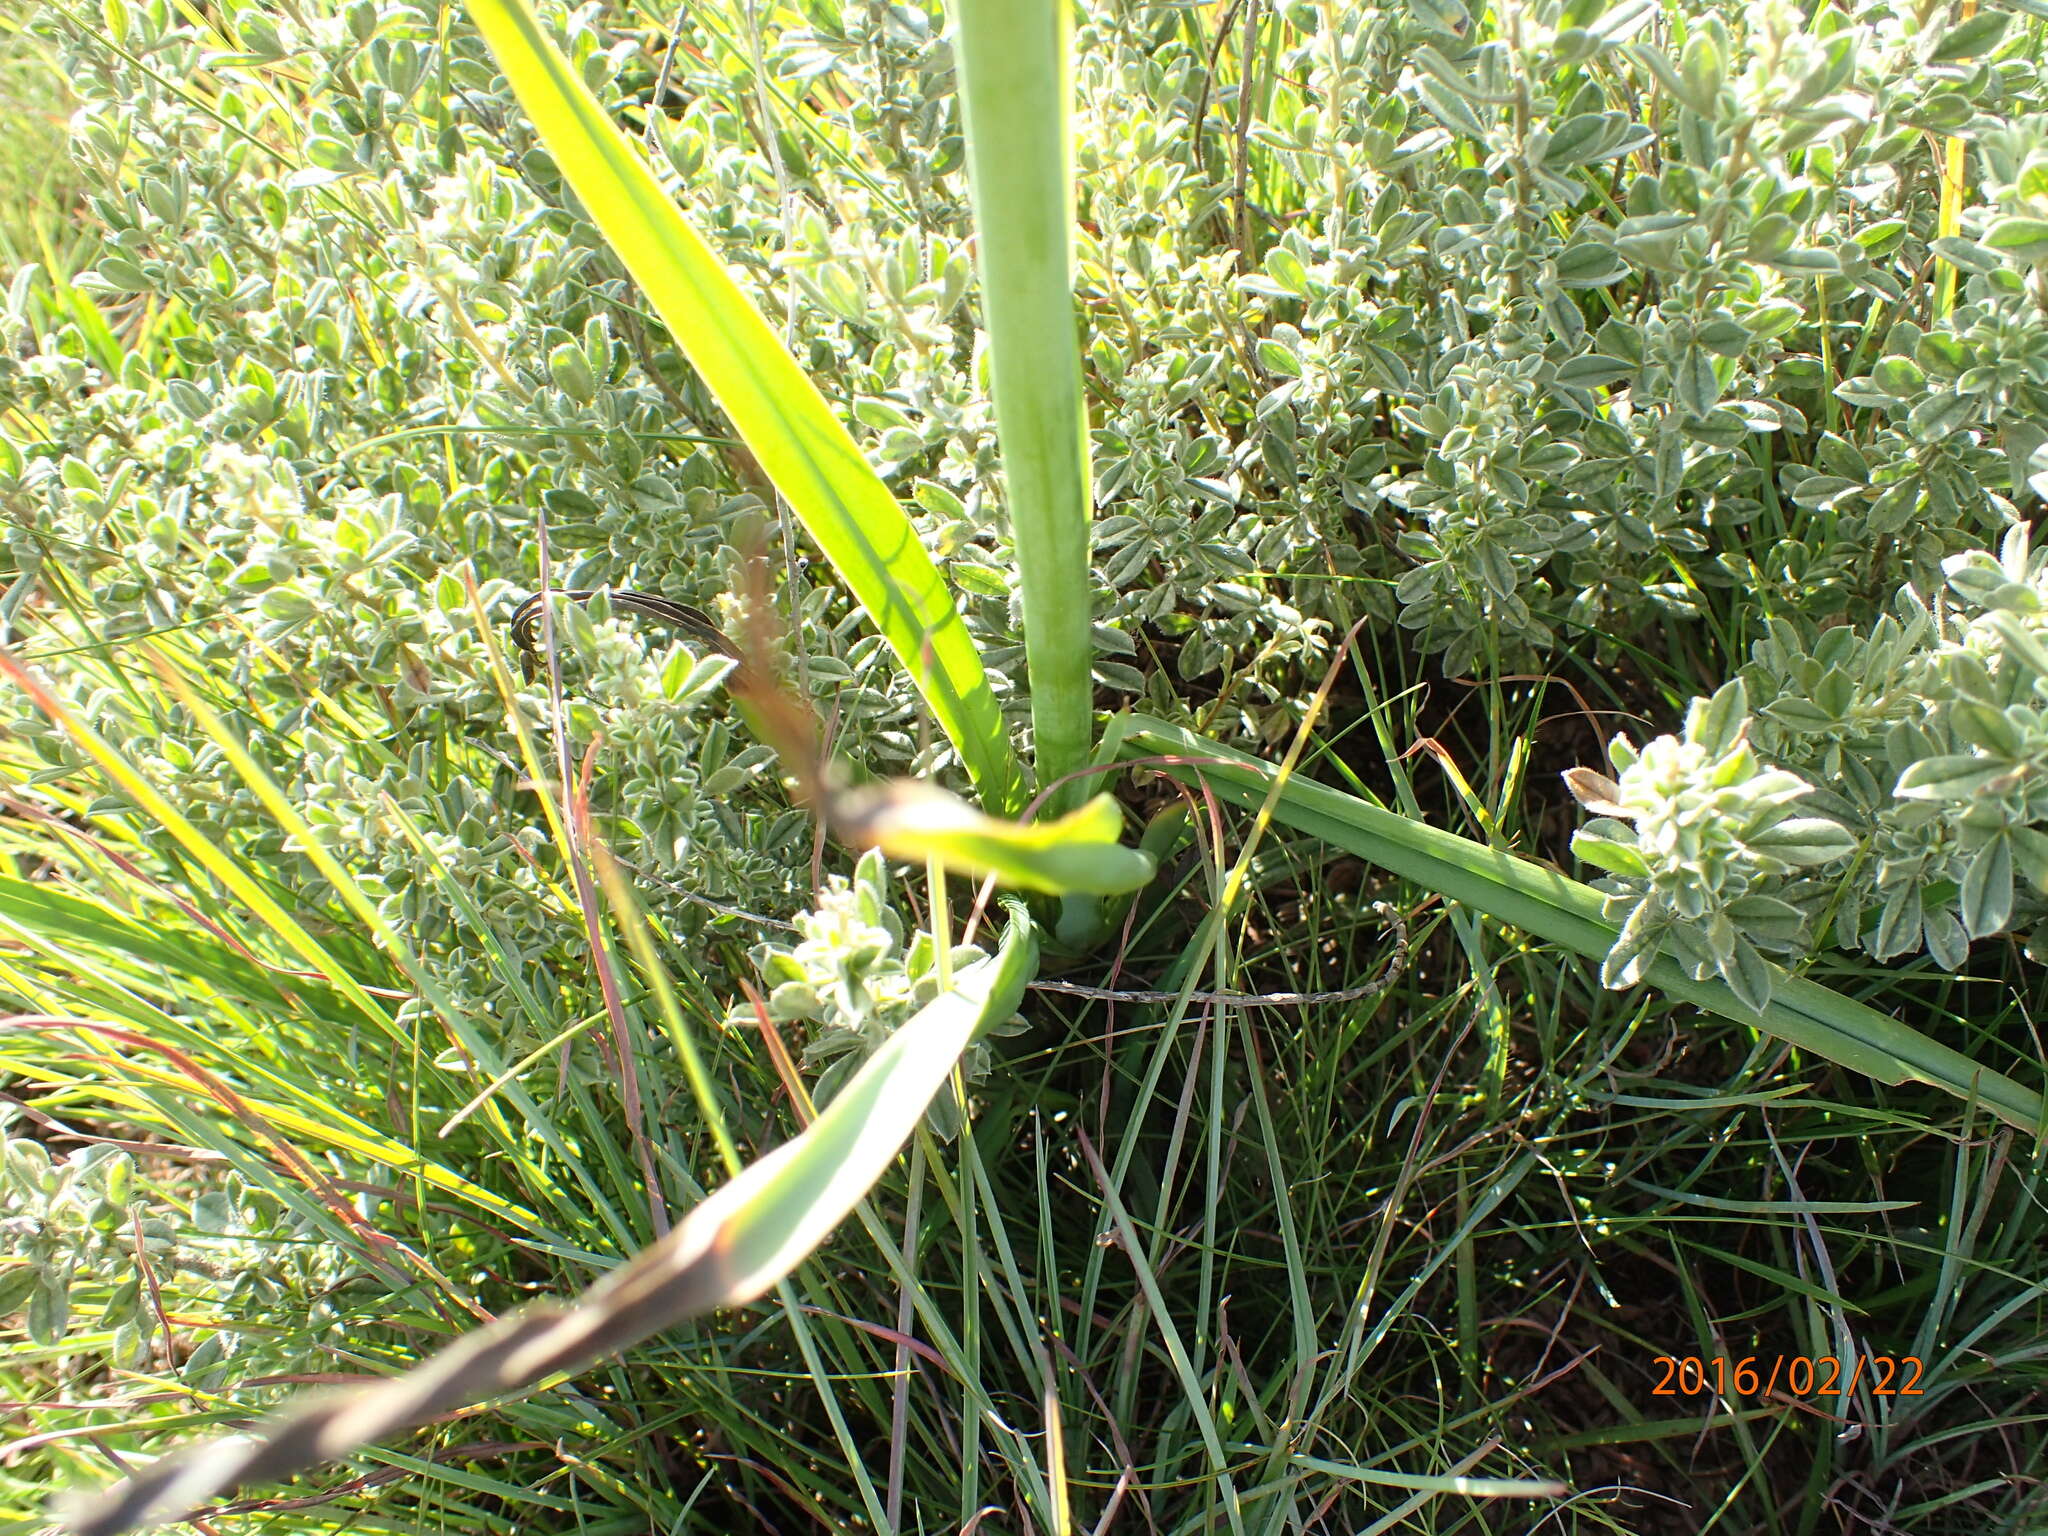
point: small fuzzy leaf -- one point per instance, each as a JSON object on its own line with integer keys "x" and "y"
{"x": 1968, "y": 39}
{"x": 1748, "y": 975}
{"x": 49, "y": 1305}
{"x": 1898, "y": 927}
{"x": 16, "y": 1284}
{"x": 1966, "y": 254}
{"x": 1985, "y": 728}
{"x": 1957, "y": 776}
{"x": 2022, "y": 237}
{"x": 1947, "y": 943}
{"x": 1592, "y": 370}
{"x": 1774, "y": 787}
{"x": 1987, "y": 889}
{"x": 2021, "y": 641}
{"x": 1278, "y": 358}
{"x": 686, "y": 678}
{"x": 1767, "y": 920}
{"x": 571, "y": 371}
{"x": 1703, "y": 70}
{"x": 2030, "y": 852}
{"x": 1694, "y": 382}
{"x": 1596, "y": 792}
{"x": 1805, "y": 840}
{"x": 1589, "y": 264}
{"x": 1616, "y": 858}
{"x": 1716, "y": 723}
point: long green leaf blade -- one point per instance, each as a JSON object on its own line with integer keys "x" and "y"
{"x": 734, "y": 1246}
{"x": 1015, "y": 87}
{"x": 1804, "y": 1013}
{"x": 773, "y": 405}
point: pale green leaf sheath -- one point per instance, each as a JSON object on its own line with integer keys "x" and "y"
{"x": 1014, "y": 91}
{"x": 772, "y": 404}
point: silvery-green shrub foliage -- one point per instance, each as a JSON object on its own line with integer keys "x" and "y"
{"x": 88, "y": 1228}
{"x": 1519, "y": 341}
{"x": 331, "y": 369}
{"x": 1913, "y": 752}
{"x": 1702, "y": 835}
{"x": 1538, "y": 340}
{"x": 851, "y": 980}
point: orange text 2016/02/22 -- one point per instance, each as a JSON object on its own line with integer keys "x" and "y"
{"x": 1792, "y": 1375}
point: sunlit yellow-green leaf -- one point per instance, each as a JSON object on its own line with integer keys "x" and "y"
{"x": 773, "y": 405}
{"x": 1077, "y": 853}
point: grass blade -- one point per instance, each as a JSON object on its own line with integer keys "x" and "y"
{"x": 731, "y": 1248}
{"x": 1015, "y": 86}
{"x": 1515, "y": 890}
{"x": 772, "y": 403}
{"x": 1470, "y": 1487}
{"x": 123, "y": 775}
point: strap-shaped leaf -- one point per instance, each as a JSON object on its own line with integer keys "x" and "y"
{"x": 771, "y": 402}
{"x": 731, "y": 1248}
{"x": 1541, "y": 901}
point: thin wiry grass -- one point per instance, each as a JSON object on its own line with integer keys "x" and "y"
{"x": 1491, "y": 1261}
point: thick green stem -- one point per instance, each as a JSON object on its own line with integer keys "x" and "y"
{"x": 1014, "y": 90}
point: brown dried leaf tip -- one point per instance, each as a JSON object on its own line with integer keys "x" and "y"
{"x": 1596, "y": 792}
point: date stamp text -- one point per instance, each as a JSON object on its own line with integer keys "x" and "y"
{"x": 1790, "y": 1375}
